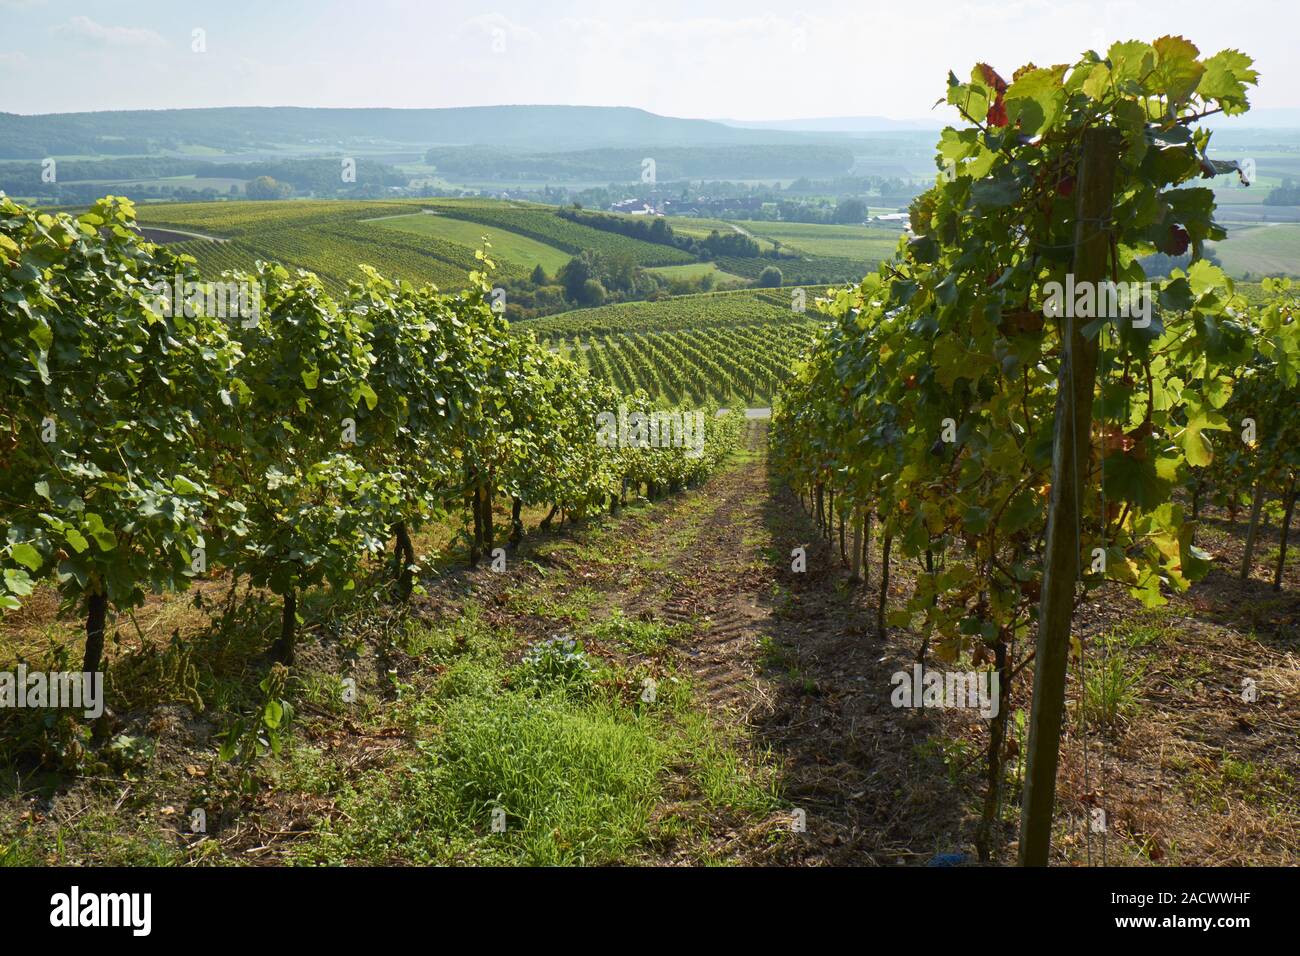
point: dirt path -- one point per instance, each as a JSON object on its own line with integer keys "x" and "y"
{"x": 166, "y": 235}
{"x": 793, "y": 659}
{"x": 796, "y": 661}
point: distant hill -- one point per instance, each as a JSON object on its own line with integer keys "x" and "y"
{"x": 300, "y": 130}
{"x": 232, "y": 129}
{"x": 1258, "y": 118}
{"x": 839, "y": 124}
{"x": 758, "y": 161}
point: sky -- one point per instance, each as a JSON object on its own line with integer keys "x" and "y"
{"x": 695, "y": 58}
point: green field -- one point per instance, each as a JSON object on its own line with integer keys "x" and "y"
{"x": 701, "y": 228}
{"x": 802, "y": 270}
{"x": 698, "y": 228}
{"x": 694, "y": 270}
{"x": 506, "y": 245}
{"x": 814, "y": 239}
{"x": 541, "y": 223}
{"x": 1270, "y": 249}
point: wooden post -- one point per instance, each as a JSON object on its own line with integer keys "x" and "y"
{"x": 96, "y": 623}
{"x": 1096, "y": 186}
{"x": 856, "y": 561}
{"x": 883, "y": 607}
{"x": 1286, "y": 531}
{"x": 1248, "y": 554}
{"x": 282, "y": 651}
{"x": 405, "y": 550}
{"x": 866, "y": 545}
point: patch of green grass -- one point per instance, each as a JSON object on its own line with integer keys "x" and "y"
{"x": 575, "y": 777}
{"x": 730, "y": 774}
{"x": 654, "y": 562}
{"x": 693, "y": 270}
{"x": 816, "y": 239}
{"x": 773, "y": 657}
{"x": 1145, "y": 626}
{"x": 574, "y": 783}
{"x": 1269, "y": 787}
{"x": 1112, "y": 679}
{"x": 572, "y": 607}
{"x": 510, "y": 246}
{"x": 642, "y": 637}
{"x": 97, "y": 837}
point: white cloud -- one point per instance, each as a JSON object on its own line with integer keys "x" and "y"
{"x": 495, "y": 32}
{"x": 88, "y": 29}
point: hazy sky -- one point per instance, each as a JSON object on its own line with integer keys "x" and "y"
{"x": 743, "y": 59}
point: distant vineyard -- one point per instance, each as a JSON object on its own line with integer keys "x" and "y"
{"x": 333, "y": 237}
{"x": 742, "y": 307}
{"x": 836, "y": 242}
{"x": 326, "y": 238}
{"x": 818, "y": 271}
{"x": 724, "y": 363}
{"x": 214, "y": 258}
{"x": 249, "y": 219}
{"x": 723, "y": 347}
{"x": 541, "y": 223}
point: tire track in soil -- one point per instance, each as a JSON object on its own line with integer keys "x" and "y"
{"x": 722, "y": 653}
{"x": 821, "y": 709}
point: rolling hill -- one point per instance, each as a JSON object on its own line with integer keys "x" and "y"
{"x": 232, "y": 129}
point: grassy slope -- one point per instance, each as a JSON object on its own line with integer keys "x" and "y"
{"x": 1261, "y": 250}
{"x": 813, "y": 239}
{"x": 745, "y": 306}
{"x": 541, "y": 223}
{"x": 331, "y": 237}
{"x": 694, "y": 270}
{"x": 509, "y": 246}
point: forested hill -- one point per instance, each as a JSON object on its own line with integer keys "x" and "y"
{"x": 611, "y": 164}
{"x": 133, "y": 132}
